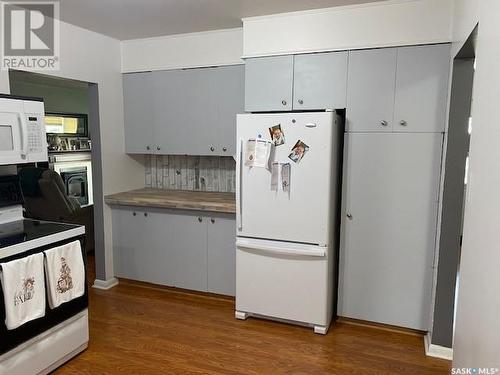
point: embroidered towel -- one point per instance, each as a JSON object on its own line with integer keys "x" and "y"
{"x": 23, "y": 290}
{"x": 65, "y": 273}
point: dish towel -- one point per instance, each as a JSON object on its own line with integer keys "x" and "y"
{"x": 23, "y": 290}
{"x": 65, "y": 273}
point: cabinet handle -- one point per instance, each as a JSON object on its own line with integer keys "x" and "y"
{"x": 349, "y": 216}
{"x": 158, "y": 148}
{"x": 383, "y": 123}
{"x": 145, "y": 214}
{"x": 200, "y": 219}
{"x": 212, "y": 220}
{"x": 135, "y": 214}
{"x": 224, "y": 149}
{"x": 301, "y": 101}
{"x": 283, "y": 102}
{"x": 403, "y": 123}
{"x": 212, "y": 148}
{"x": 148, "y": 148}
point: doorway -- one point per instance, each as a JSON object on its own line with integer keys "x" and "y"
{"x": 72, "y": 107}
{"x": 454, "y": 193}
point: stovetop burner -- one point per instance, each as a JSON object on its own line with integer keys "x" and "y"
{"x": 17, "y": 232}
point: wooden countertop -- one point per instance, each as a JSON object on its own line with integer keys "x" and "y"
{"x": 175, "y": 199}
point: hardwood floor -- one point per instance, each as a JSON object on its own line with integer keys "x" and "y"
{"x": 140, "y": 329}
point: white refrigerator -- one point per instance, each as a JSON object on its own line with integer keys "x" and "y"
{"x": 287, "y": 236}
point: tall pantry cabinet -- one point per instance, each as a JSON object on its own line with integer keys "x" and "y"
{"x": 395, "y": 119}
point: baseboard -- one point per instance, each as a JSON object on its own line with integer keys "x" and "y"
{"x": 105, "y": 284}
{"x": 437, "y": 351}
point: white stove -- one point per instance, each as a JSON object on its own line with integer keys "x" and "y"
{"x": 39, "y": 346}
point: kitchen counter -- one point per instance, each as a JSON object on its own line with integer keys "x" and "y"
{"x": 175, "y": 199}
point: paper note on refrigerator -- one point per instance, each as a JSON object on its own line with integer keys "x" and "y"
{"x": 280, "y": 176}
{"x": 285, "y": 177}
{"x": 257, "y": 153}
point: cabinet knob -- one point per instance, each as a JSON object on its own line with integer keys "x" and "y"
{"x": 158, "y": 148}
{"x": 212, "y": 220}
{"x": 148, "y": 148}
{"x": 301, "y": 101}
{"x": 224, "y": 149}
{"x": 212, "y": 148}
{"x": 145, "y": 214}
{"x": 349, "y": 216}
{"x": 283, "y": 102}
{"x": 383, "y": 123}
{"x": 200, "y": 219}
{"x": 135, "y": 213}
{"x": 403, "y": 123}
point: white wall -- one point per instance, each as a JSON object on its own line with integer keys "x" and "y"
{"x": 477, "y": 334}
{"x": 91, "y": 57}
{"x": 389, "y": 23}
{"x": 220, "y": 47}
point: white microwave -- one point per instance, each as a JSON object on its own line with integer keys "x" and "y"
{"x": 22, "y": 130}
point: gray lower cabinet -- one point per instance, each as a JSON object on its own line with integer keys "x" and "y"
{"x": 390, "y": 209}
{"x": 184, "y": 111}
{"x": 221, "y": 255}
{"x": 189, "y": 250}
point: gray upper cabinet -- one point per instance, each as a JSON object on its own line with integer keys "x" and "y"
{"x": 421, "y": 88}
{"x": 138, "y": 112}
{"x": 320, "y": 81}
{"x": 370, "y": 94}
{"x": 230, "y": 93}
{"x": 269, "y": 84}
{"x": 185, "y": 111}
{"x": 398, "y": 89}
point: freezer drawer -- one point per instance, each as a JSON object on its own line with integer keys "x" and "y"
{"x": 293, "y": 285}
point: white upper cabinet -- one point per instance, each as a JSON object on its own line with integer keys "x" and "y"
{"x": 370, "y": 94}
{"x": 398, "y": 89}
{"x": 320, "y": 81}
{"x": 301, "y": 82}
{"x": 269, "y": 84}
{"x": 421, "y": 88}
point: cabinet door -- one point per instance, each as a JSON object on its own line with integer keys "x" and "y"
{"x": 269, "y": 83}
{"x": 222, "y": 255}
{"x": 320, "y": 81}
{"x": 187, "y": 241}
{"x": 138, "y": 112}
{"x": 229, "y": 91}
{"x": 389, "y": 227}
{"x": 129, "y": 245}
{"x": 185, "y": 111}
{"x": 421, "y": 88}
{"x": 370, "y": 90}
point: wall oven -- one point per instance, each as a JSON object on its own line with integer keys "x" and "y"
{"x": 22, "y": 130}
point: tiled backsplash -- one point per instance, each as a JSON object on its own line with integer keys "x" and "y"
{"x": 205, "y": 173}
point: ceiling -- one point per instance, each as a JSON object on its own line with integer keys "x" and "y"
{"x": 133, "y": 19}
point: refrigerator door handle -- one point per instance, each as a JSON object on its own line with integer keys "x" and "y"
{"x": 239, "y": 166}
{"x": 312, "y": 251}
